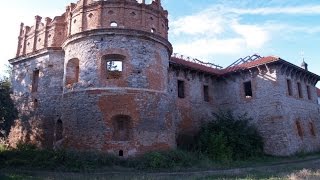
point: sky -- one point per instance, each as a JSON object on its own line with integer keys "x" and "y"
{"x": 216, "y": 31}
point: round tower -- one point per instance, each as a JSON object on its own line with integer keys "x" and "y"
{"x": 115, "y": 94}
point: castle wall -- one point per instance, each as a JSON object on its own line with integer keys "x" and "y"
{"x": 38, "y": 108}
{"x": 138, "y": 92}
{"x": 191, "y": 110}
{"x": 271, "y": 110}
{"x": 303, "y": 111}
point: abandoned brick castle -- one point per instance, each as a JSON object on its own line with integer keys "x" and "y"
{"x": 102, "y": 77}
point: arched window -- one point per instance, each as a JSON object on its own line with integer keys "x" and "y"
{"x": 72, "y": 71}
{"x": 121, "y": 127}
{"x": 59, "y": 130}
{"x": 113, "y": 65}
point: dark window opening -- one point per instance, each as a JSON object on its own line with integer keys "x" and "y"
{"x": 35, "y": 81}
{"x": 299, "y": 90}
{"x": 206, "y": 93}
{"x": 180, "y": 89}
{"x": 121, "y": 128}
{"x": 289, "y": 85}
{"x": 312, "y": 130}
{"x": 309, "y": 93}
{"x": 35, "y": 103}
{"x": 247, "y": 89}
{"x": 59, "y": 130}
{"x": 299, "y": 128}
{"x": 121, "y": 153}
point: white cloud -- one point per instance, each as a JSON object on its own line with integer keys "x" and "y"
{"x": 254, "y": 36}
{"x": 202, "y": 23}
{"x": 308, "y": 9}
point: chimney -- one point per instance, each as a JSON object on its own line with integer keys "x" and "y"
{"x": 304, "y": 65}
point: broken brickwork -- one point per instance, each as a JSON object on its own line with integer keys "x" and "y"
{"x": 101, "y": 77}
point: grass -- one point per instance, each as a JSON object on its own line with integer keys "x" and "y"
{"x": 33, "y": 164}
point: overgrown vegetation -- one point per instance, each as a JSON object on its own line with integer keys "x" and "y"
{"x": 8, "y": 112}
{"x": 224, "y": 139}
{"x": 228, "y": 138}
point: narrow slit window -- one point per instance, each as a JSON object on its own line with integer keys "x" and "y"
{"x": 35, "y": 81}
{"x": 181, "y": 89}
{"x": 247, "y": 89}
{"x": 289, "y": 85}
{"x": 309, "y": 93}
{"x": 206, "y": 93}
{"x": 299, "y": 129}
{"x": 299, "y": 90}
{"x": 312, "y": 130}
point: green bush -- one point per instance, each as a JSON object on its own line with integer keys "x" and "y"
{"x": 227, "y": 137}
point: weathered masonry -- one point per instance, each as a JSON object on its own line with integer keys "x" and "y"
{"x": 102, "y": 77}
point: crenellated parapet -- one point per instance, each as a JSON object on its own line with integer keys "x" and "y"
{"x": 88, "y": 15}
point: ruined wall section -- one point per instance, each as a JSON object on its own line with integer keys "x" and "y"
{"x": 38, "y": 107}
{"x": 49, "y": 34}
{"x": 138, "y": 92}
{"x": 301, "y": 113}
{"x": 192, "y": 110}
{"x": 273, "y": 112}
{"x": 88, "y": 15}
{"x": 265, "y": 105}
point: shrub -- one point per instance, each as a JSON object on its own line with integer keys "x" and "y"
{"x": 227, "y": 137}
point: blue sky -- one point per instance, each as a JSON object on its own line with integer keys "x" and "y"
{"x": 219, "y": 31}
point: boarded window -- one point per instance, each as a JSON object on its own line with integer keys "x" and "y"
{"x": 59, "y": 130}
{"x": 247, "y": 89}
{"x": 289, "y": 86}
{"x": 312, "y": 130}
{"x": 299, "y": 129}
{"x": 121, "y": 128}
{"x": 181, "y": 89}
{"x": 35, "y": 81}
{"x": 309, "y": 93}
{"x": 72, "y": 71}
{"x": 299, "y": 90}
{"x": 206, "y": 93}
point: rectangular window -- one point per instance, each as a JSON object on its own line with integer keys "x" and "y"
{"x": 206, "y": 93}
{"x": 289, "y": 85}
{"x": 309, "y": 93}
{"x": 180, "y": 89}
{"x": 35, "y": 81}
{"x": 299, "y": 90}
{"x": 247, "y": 89}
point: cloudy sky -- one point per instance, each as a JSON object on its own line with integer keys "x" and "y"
{"x": 219, "y": 31}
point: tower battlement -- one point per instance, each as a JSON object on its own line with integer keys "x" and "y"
{"x": 86, "y": 15}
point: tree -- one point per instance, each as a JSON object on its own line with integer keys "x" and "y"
{"x": 229, "y": 137}
{"x": 8, "y": 113}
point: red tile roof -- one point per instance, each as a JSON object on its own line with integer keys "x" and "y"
{"x": 318, "y": 92}
{"x": 196, "y": 66}
{"x": 263, "y": 60}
